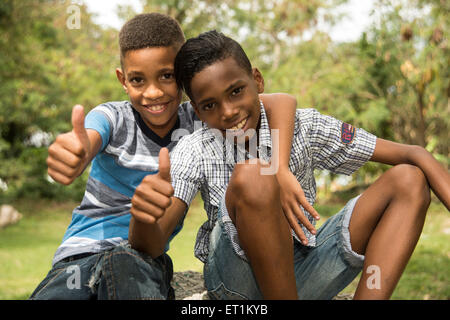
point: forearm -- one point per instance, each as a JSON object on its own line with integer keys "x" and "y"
{"x": 152, "y": 238}
{"x": 280, "y": 109}
{"x": 148, "y": 238}
{"x": 285, "y": 123}
{"x": 95, "y": 141}
{"x": 438, "y": 177}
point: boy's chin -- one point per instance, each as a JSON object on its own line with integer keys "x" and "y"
{"x": 161, "y": 123}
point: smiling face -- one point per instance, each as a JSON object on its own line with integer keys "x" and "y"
{"x": 148, "y": 79}
{"x": 225, "y": 96}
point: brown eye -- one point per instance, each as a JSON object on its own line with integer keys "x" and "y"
{"x": 167, "y": 76}
{"x": 236, "y": 91}
{"x": 136, "y": 80}
{"x": 208, "y": 107}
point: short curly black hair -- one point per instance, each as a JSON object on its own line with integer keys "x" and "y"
{"x": 200, "y": 52}
{"x": 150, "y": 30}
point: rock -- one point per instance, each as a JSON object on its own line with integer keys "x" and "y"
{"x": 344, "y": 296}
{"x": 8, "y": 215}
{"x": 189, "y": 285}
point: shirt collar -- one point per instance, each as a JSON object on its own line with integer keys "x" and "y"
{"x": 265, "y": 139}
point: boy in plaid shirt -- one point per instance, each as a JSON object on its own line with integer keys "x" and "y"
{"x": 251, "y": 244}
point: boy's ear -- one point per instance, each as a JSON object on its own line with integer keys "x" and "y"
{"x": 259, "y": 79}
{"x": 196, "y": 109}
{"x": 121, "y": 77}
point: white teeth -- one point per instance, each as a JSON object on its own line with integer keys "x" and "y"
{"x": 156, "y": 108}
{"x": 240, "y": 125}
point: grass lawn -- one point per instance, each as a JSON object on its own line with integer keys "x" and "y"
{"x": 27, "y": 248}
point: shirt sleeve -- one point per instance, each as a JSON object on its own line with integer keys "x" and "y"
{"x": 338, "y": 146}
{"x": 185, "y": 171}
{"x": 97, "y": 119}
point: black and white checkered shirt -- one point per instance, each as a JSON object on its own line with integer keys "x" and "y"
{"x": 204, "y": 161}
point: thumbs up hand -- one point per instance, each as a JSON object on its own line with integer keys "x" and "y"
{"x": 164, "y": 165}
{"x": 153, "y": 196}
{"x": 79, "y": 130}
{"x": 69, "y": 155}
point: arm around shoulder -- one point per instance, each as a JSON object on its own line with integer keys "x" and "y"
{"x": 280, "y": 109}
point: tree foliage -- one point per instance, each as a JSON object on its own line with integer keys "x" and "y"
{"x": 393, "y": 81}
{"x": 45, "y": 68}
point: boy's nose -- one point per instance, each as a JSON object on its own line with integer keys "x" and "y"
{"x": 229, "y": 111}
{"x": 153, "y": 92}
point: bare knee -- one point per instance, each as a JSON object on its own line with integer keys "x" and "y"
{"x": 251, "y": 188}
{"x": 253, "y": 202}
{"x": 409, "y": 181}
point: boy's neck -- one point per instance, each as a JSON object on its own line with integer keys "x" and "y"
{"x": 160, "y": 135}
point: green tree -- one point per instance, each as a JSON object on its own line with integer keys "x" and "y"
{"x": 409, "y": 49}
{"x": 45, "y": 68}
{"x": 393, "y": 81}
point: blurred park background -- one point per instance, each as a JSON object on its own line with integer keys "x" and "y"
{"x": 392, "y": 80}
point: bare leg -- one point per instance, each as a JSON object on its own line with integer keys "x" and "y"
{"x": 385, "y": 226}
{"x": 253, "y": 202}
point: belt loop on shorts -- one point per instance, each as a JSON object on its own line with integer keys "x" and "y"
{"x": 94, "y": 280}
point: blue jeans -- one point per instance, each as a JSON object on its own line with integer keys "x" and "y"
{"x": 321, "y": 272}
{"x": 120, "y": 273}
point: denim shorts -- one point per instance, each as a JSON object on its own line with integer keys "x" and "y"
{"x": 321, "y": 271}
{"x": 121, "y": 273}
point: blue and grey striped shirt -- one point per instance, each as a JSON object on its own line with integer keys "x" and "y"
{"x": 129, "y": 152}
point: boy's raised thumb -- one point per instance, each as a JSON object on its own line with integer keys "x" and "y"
{"x": 78, "y": 124}
{"x": 164, "y": 164}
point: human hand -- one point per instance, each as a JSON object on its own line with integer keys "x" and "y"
{"x": 292, "y": 197}
{"x": 153, "y": 196}
{"x": 68, "y": 156}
